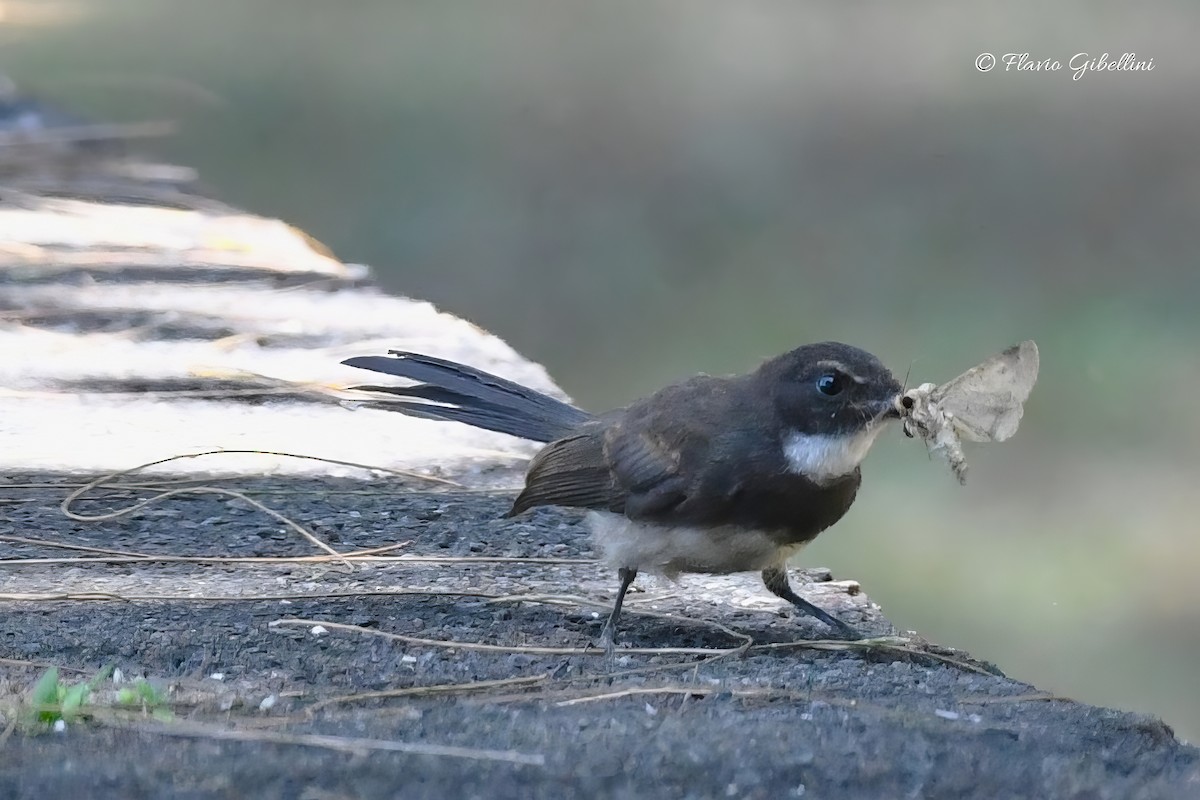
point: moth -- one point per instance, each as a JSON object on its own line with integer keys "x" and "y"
{"x": 984, "y": 404}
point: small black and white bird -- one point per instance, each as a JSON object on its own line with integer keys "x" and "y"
{"x": 711, "y": 475}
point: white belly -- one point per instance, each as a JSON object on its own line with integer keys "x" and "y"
{"x": 669, "y": 550}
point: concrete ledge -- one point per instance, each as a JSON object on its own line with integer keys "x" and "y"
{"x": 458, "y": 663}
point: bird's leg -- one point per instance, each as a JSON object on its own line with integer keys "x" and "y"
{"x": 776, "y": 579}
{"x": 608, "y": 636}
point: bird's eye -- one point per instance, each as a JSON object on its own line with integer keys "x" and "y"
{"x": 829, "y": 384}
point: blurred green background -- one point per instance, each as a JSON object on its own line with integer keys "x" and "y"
{"x": 630, "y": 192}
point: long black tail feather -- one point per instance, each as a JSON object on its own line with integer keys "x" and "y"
{"x": 453, "y": 392}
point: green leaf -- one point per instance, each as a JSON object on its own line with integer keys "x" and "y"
{"x": 101, "y": 676}
{"x": 45, "y": 691}
{"x": 74, "y": 698}
{"x": 148, "y": 693}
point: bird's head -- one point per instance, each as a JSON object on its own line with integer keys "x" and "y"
{"x": 832, "y": 399}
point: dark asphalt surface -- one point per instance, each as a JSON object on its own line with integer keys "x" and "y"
{"x": 774, "y": 723}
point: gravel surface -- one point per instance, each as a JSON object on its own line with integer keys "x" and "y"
{"x": 250, "y": 687}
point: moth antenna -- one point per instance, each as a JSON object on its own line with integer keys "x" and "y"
{"x": 907, "y": 373}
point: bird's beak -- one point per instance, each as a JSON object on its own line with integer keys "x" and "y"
{"x": 888, "y": 409}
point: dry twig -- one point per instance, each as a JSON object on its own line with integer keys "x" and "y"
{"x": 342, "y": 744}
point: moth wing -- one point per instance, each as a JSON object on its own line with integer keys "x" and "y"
{"x": 987, "y": 401}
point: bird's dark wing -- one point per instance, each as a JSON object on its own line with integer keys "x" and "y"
{"x": 645, "y": 461}
{"x": 571, "y": 472}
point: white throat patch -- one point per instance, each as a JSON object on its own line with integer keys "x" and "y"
{"x": 822, "y": 457}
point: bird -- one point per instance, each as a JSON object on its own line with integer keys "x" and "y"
{"x": 714, "y": 474}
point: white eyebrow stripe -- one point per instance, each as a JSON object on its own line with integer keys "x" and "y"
{"x": 843, "y": 369}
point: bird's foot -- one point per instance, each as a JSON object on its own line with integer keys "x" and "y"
{"x": 608, "y": 640}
